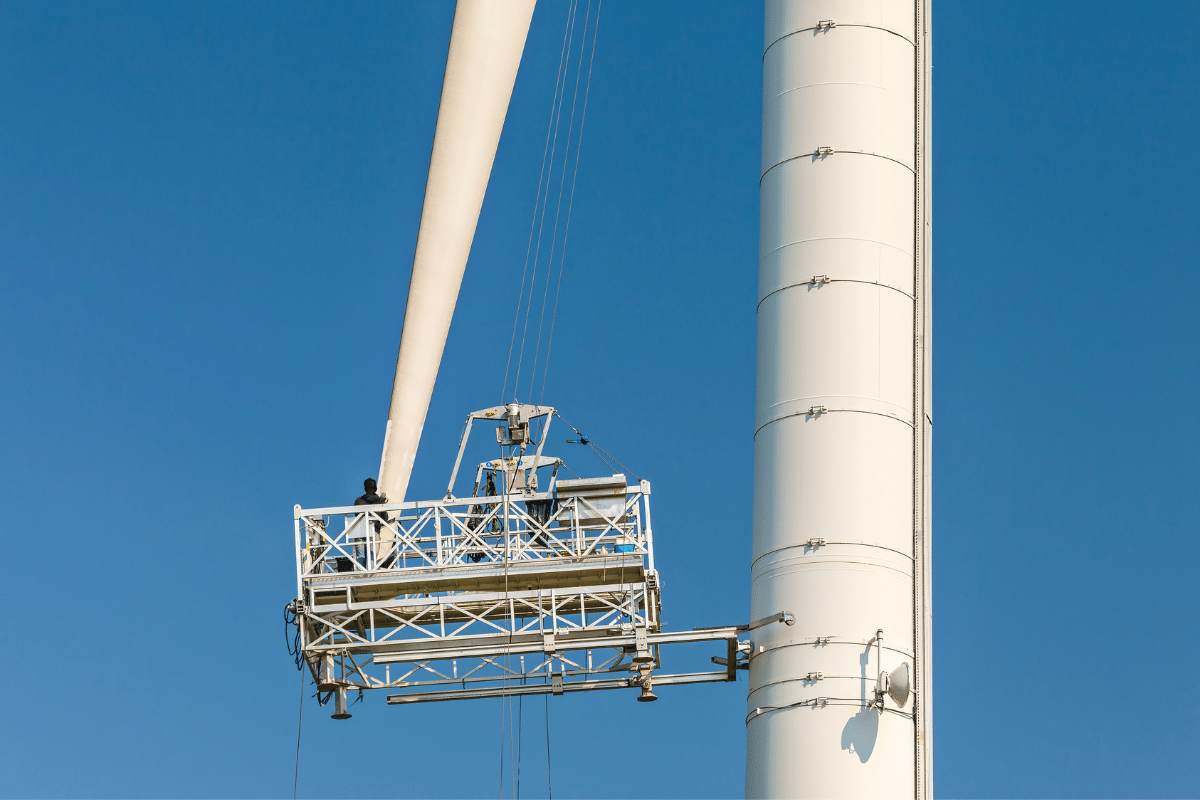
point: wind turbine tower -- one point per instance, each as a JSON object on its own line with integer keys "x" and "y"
{"x": 843, "y": 412}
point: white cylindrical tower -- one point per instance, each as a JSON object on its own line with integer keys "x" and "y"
{"x": 843, "y": 415}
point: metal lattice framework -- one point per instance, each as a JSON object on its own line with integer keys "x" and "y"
{"x": 513, "y": 591}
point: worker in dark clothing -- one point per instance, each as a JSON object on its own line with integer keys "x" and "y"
{"x": 371, "y": 497}
{"x": 385, "y": 550}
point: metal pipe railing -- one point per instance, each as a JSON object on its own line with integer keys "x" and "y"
{"x": 450, "y": 532}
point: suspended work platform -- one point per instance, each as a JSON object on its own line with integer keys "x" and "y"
{"x": 512, "y": 590}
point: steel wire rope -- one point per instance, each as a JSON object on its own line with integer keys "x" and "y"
{"x": 551, "y": 148}
{"x": 600, "y": 453}
{"x": 573, "y": 15}
{"x": 536, "y": 201}
{"x": 299, "y": 724}
{"x": 571, "y": 201}
{"x": 489, "y": 492}
{"x": 562, "y": 181}
{"x": 501, "y": 795}
{"x": 511, "y": 739}
{"x": 560, "y": 97}
{"x": 520, "y": 730}
{"x": 549, "y": 773}
{"x": 608, "y": 461}
{"x": 508, "y": 655}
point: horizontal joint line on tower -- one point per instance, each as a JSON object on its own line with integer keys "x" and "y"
{"x": 812, "y": 398}
{"x": 812, "y": 677}
{"x": 821, "y": 702}
{"x": 764, "y": 256}
{"x": 818, "y": 155}
{"x": 791, "y": 568}
{"x": 810, "y": 284}
{"x": 832, "y": 83}
{"x": 809, "y": 412}
{"x": 824, "y": 543}
{"x": 819, "y": 27}
{"x": 824, "y": 641}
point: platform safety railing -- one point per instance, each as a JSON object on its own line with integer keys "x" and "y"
{"x": 508, "y": 529}
{"x": 407, "y": 597}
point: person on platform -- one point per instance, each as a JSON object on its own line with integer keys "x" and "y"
{"x": 385, "y": 549}
{"x": 371, "y": 496}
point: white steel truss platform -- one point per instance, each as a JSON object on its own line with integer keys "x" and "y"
{"x": 509, "y": 592}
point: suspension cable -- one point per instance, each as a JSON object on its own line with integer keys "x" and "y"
{"x": 561, "y": 96}
{"x": 299, "y": 724}
{"x": 558, "y": 82}
{"x": 549, "y": 774}
{"x": 520, "y": 729}
{"x": 549, "y": 155}
{"x": 600, "y": 453}
{"x": 501, "y": 794}
{"x": 512, "y": 752}
{"x": 558, "y": 203}
{"x": 552, "y": 124}
{"x": 571, "y": 201}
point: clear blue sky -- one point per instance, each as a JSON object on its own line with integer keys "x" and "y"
{"x": 207, "y": 217}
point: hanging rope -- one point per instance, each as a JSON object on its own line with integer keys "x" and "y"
{"x": 549, "y": 776}
{"x": 501, "y": 794}
{"x": 299, "y": 723}
{"x": 507, "y": 671}
{"x": 557, "y": 118}
{"x": 512, "y": 745}
{"x": 573, "y": 16}
{"x": 548, "y": 153}
{"x": 571, "y": 202}
{"x": 600, "y": 453}
{"x": 554, "y": 102}
{"x": 530, "y": 272}
{"x": 562, "y": 181}
{"x": 520, "y": 729}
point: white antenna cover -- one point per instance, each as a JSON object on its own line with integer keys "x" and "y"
{"x": 899, "y": 684}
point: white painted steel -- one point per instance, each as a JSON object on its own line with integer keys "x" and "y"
{"x": 477, "y": 578}
{"x": 486, "y": 44}
{"x": 841, "y": 506}
{"x": 487, "y": 597}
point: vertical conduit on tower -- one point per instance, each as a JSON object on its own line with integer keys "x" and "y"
{"x": 843, "y": 417}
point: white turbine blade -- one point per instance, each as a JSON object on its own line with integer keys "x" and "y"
{"x": 485, "y": 51}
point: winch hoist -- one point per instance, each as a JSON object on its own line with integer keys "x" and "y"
{"x": 534, "y": 583}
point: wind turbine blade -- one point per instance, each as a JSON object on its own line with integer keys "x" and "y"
{"x": 486, "y": 44}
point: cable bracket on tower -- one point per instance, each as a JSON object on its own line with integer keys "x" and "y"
{"x": 786, "y": 617}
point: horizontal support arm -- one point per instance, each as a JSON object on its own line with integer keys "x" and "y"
{"x": 551, "y": 688}
{"x": 534, "y": 643}
{"x": 786, "y": 617}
